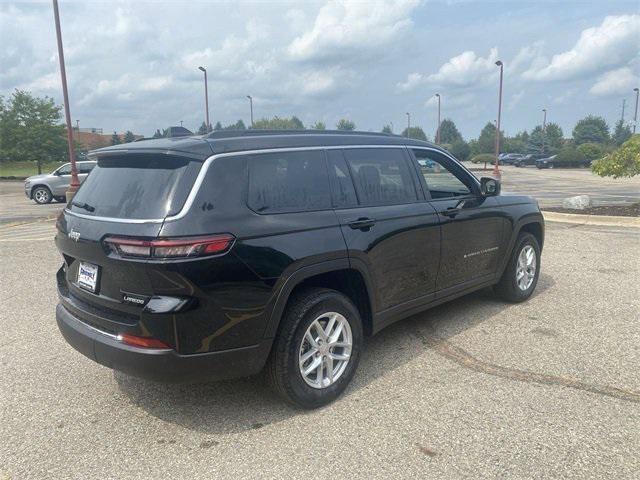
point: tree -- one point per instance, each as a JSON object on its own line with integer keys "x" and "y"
{"x": 591, "y": 151}
{"x": 415, "y": 132}
{"x": 387, "y": 129}
{"x": 115, "y": 139}
{"x": 487, "y": 139}
{"x": 29, "y": 129}
{"x": 449, "y": 132}
{"x": 217, "y": 126}
{"x": 158, "y": 134}
{"x": 622, "y": 133}
{"x": 345, "y": 124}
{"x": 591, "y": 129}
{"x": 129, "y": 137}
{"x": 460, "y": 149}
{"x": 239, "y": 125}
{"x": 623, "y": 162}
{"x": 277, "y": 123}
{"x": 319, "y": 125}
{"x": 203, "y": 129}
{"x": 549, "y": 143}
{"x": 516, "y": 144}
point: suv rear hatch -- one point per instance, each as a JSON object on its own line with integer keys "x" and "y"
{"x": 126, "y": 195}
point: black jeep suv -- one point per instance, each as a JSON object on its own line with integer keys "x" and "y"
{"x": 220, "y": 256}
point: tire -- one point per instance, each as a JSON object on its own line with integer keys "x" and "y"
{"x": 283, "y": 371}
{"x": 61, "y": 199}
{"x": 508, "y": 288}
{"x": 42, "y": 195}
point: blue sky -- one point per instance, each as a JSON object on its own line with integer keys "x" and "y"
{"x": 133, "y": 65}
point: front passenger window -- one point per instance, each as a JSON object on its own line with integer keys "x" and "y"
{"x": 441, "y": 181}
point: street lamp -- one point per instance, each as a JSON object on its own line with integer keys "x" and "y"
{"x": 438, "y": 130}
{"x": 635, "y": 115}
{"x": 251, "y": 107}
{"x": 75, "y": 183}
{"x": 544, "y": 127}
{"x": 391, "y": 126}
{"x": 496, "y": 170}
{"x": 206, "y": 97}
{"x": 408, "y": 123}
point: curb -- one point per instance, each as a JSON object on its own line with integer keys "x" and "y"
{"x": 600, "y": 220}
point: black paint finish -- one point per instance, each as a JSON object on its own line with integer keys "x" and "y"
{"x": 410, "y": 256}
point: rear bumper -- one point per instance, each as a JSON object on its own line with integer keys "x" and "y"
{"x": 159, "y": 365}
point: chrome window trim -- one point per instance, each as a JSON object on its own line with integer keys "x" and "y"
{"x": 205, "y": 167}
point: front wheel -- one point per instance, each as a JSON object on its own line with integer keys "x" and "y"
{"x": 42, "y": 195}
{"x": 520, "y": 277}
{"x": 317, "y": 350}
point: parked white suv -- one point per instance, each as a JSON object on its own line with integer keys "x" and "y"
{"x": 49, "y": 186}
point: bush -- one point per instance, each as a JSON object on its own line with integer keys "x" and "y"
{"x": 624, "y": 162}
{"x": 570, "y": 154}
{"x": 484, "y": 157}
{"x": 591, "y": 151}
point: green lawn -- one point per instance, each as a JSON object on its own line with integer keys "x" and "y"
{"x": 25, "y": 169}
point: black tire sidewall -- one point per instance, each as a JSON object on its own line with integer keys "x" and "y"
{"x": 301, "y": 393}
{"x": 514, "y": 292}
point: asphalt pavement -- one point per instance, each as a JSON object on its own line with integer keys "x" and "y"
{"x": 474, "y": 389}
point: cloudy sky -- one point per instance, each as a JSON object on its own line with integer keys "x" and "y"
{"x": 133, "y": 65}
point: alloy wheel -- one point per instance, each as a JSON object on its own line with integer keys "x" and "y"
{"x": 526, "y": 269}
{"x": 325, "y": 350}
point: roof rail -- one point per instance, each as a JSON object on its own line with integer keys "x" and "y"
{"x": 259, "y": 132}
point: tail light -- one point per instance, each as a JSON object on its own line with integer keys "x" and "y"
{"x": 170, "y": 247}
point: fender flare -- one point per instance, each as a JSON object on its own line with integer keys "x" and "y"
{"x": 534, "y": 217}
{"x": 303, "y": 273}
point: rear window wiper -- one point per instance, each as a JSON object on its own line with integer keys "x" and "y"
{"x": 84, "y": 206}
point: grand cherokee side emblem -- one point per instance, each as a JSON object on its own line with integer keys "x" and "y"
{"x": 73, "y": 235}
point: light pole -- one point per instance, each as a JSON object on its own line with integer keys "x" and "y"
{"x": 391, "y": 126}
{"x": 206, "y": 97}
{"x": 75, "y": 183}
{"x": 635, "y": 115}
{"x": 438, "y": 130}
{"x": 544, "y": 127}
{"x": 408, "y": 123}
{"x": 251, "y": 108}
{"x": 496, "y": 170}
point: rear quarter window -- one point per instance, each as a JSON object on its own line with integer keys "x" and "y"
{"x": 288, "y": 182}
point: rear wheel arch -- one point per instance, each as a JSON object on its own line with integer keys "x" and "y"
{"x": 333, "y": 275}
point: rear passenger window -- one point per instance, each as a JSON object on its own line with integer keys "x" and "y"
{"x": 86, "y": 167}
{"x": 288, "y": 182}
{"x": 343, "y": 191}
{"x": 381, "y": 176}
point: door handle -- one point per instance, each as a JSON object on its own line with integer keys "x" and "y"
{"x": 362, "y": 223}
{"x": 451, "y": 212}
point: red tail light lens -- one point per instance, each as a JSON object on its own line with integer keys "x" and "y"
{"x": 142, "y": 342}
{"x": 170, "y": 247}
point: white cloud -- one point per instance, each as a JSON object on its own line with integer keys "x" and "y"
{"x": 344, "y": 26}
{"x": 613, "y": 44}
{"x": 615, "y": 82}
{"x": 466, "y": 69}
{"x": 453, "y": 101}
{"x": 514, "y": 100}
{"x": 413, "y": 81}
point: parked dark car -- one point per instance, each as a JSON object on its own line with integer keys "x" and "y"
{"x": 510, "y": 158}
{"x": 220, "y": 256}
{"x": 554, "y": 162}
{"x": 529, "y": 159}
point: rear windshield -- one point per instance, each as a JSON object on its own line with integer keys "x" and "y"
{"x": 136, "y": 186}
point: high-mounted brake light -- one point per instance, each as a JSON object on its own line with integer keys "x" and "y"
{"x": 142, "y": 342}
{"x": 170, "y": 247}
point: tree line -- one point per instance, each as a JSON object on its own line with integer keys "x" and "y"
{"x": 30, "y": 130}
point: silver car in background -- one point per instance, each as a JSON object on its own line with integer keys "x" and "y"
{"x": 49, "y": 186}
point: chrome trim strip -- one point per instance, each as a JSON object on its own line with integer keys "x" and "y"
{"x": 205, "y": 167}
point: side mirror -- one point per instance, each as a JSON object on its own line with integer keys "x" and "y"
{"x": 489, "y": 186}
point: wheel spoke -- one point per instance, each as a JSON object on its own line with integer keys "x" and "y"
{"x": 312, "y": 366}
{"x": 320, "y": 371}
{"x": 319, "y": 330}
{"x": 336, "y": 334}
{"x": 340, "y": 356}
{"x": 312, "y": 341}
{"x": 329, "y": 361}
{"x": 307, "y": 356}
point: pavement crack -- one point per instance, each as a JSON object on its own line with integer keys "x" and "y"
{"x": 468, "y": 361}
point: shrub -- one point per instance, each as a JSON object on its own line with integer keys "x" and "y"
{"x": 591, "y": 151}
{"x": 484, "y": 157}
{"x": 570, "y": 154}
{"x": 623, "y": 162}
